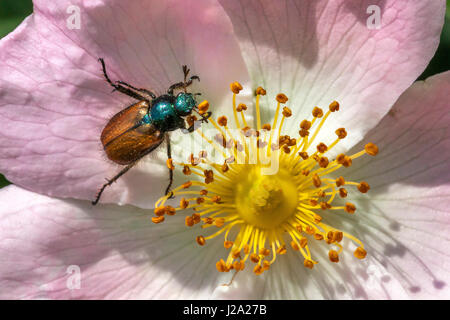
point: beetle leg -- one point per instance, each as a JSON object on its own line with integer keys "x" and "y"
{"x": 122, "y": 172}
{"x": 204, "y": 117}
{"x": 119, "y": 87}
{"x": 110, "y": 182}
{"x": 151, "y": 94}
{"x": 169, "y": 156}
{"x": 186, "y": 83}
{"x": 175, "y": 86}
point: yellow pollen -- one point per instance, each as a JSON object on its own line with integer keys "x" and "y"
{"x": 334, "y": 106}
{"x": 222, "y": 121}
{"x": 201, "y": 240}
{"x": 157, "y": 219}
{"x": 236, "y": 87}
{"x": 169, "y": 163}
{"x": 186, "y": 170}
{"x": 363, "y": 187}
{"x": 371, "y": 149}
{"x": 281, "y": 98}
{"x": 272, "y": 193}
{"x": 317, "y": 112}
{"x": 203, "y": 107}
{"x": 260, "y": 91}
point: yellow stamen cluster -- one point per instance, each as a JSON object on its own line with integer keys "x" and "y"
{"x": 263, "y": 213}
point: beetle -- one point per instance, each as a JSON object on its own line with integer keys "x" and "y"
{"x": 137, "y": 130}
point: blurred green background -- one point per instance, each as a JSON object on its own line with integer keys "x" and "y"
{"x": 12, "y": 12}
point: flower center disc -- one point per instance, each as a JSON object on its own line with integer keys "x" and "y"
{"x": 265, "y": 201}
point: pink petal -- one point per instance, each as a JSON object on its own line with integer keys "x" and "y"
{"x": 319, "y": 51}
{"x": 55, "y": 101}
{"x": 121, "y": 254}
{"x": 409, "y": 198}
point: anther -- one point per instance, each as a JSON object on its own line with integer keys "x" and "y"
{"x": 203, "y": 154}
{"x": 264, "y": 251}
{"x": 222, "y": 121}
{"x": 333, "y": 255}
{"x": 317, "y": 218}
{"x": 323, "y": 162}
{"x": 209, "y": 176}
{"x": 261, "y": 144}
{"x": 258, "y": 270}
{"x": 308, "y": 264}
{"x": 260, "y": 91}
{"x": 318, "y": 236}
{"x": 203, "y": 107}
{"x": 292, "y": 142}
{"x": 281, "y": 250}
{"x": 224, "y": 167}
{"x": 227, "y": 244}
{"x": 305, "y": 124}
{"x": 186, "y": 184}
{"x": 169, "y": 163}
{"x": 371, "y": 149}
{"x": 341, "y": 133}
{"x": 208, "y": 220}
{"x": 321, "y": 194}
{"x": 216, "y": 199}
{"x": 340, "y": 181}
{"x": 340, "y": 158}
{"x": 219, "y": 222}
{"x": 238, "y": 265}
{"x": 170, "y": 211}
{"x": 236, "y": 87}
{"x": 201, "y": 240}
{"x": 200, "y": 200}
{"x": 309, "y": 230}
{"x": 363, "y": 187}
{"x": 158, "y": 219}
{"x": 303, "y": 133}
{"x": 317, "y": 112}
{"x": 347, "y": 162}
{"x": 203, "y": 192}
{"x": 287, "y": 112}
{"x": 196, "y": 218}
{"x": 254, "y": 258}
{"x": 350, "y": 207}
{"x": 184, "y": 203}
{"x": 189, "y": 221}
{"x": 295, "y": 246}
{"x": 325, "y": 205}
{"x": 281, "y": 98}
{"x": 334, "y": 106}
{"x": 160, "y": 211}
{"x": 221, "y": 266}
{"x": 338, "y": 236}
{"x": 343, "y": 192}
{"x": 229, "y": 160}
{"x": 186, "y": 170}
{"x": 304, "y": 155}
{"x": 360, "y": 253}
{"x": 241, "y": 107}
{"x": 286, "y": 149}
{"x": 303, "y": 242}
{"x": 316, "y": 180}
{"x": 193, "y": 160}
{"x": 266, "y": 127}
